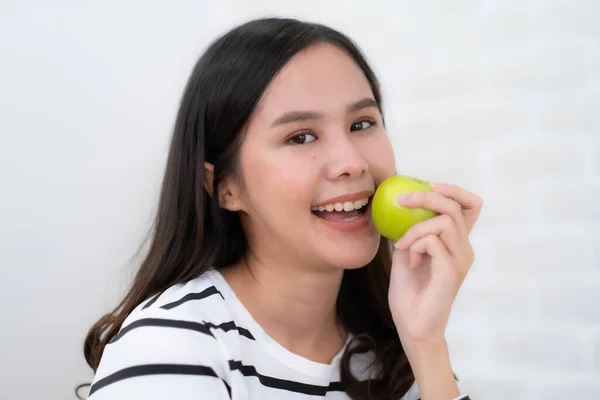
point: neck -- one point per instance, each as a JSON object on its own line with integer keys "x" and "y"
{"x": 296, "y": 306}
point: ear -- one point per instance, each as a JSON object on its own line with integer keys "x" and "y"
{"x": 229, "y": 195}
{"x": 209, "y": 176}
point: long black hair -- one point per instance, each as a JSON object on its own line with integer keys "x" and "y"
{"x": 191, "y": 233}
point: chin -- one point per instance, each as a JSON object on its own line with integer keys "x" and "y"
{"x": 353, "y": 256}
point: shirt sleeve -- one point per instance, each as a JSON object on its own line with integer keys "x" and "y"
{"x": 159, "y": 356}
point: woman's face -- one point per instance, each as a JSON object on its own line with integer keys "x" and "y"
{"x": 315, "y": 145}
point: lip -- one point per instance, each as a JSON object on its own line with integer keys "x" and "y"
{"x": 348, "y": 197}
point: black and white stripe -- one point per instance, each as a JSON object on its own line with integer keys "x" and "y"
{"x": 202, "y": 370}
{"x": 283, "y": 384}
{"x": 195, "y": 340}
{"x": 199, "y": 327}
{"x": 192, "y": 296}
{"x": 153, "y": 369}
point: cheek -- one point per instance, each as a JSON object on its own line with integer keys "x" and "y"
{"x": 379, "y": 154}
{"x": 280, "y": 182}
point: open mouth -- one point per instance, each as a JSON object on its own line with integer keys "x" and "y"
{"x": 347, "y": 211}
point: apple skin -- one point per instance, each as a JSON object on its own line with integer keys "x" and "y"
{"x": 391, "y": 219}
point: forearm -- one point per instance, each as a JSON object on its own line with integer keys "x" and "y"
{"x": 430, "y": 362}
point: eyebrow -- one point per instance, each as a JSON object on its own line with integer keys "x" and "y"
{"x": 297, "y": 116}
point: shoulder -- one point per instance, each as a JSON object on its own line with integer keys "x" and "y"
{"x": 196, "y": 299}
{"x": 165, "y": 342}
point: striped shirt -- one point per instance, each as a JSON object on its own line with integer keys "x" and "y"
{"x": 196, "y": 340}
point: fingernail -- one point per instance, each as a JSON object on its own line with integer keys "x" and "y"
{"x": 406, "y": 197}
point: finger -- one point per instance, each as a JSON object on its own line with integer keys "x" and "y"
{"x": 470, "y": 203}
{"x": 432, "y": 245}
{"x": 414, "y": 259}
{"x": 443, "y": 226}
{"x": 436, "y": 202}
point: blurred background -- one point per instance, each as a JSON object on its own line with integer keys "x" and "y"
{"x": 501, "y": 97}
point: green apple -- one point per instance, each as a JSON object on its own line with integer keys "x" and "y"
{"x": 391, "y": 219}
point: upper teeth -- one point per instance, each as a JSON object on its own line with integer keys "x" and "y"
{"x": 345, "y": 206}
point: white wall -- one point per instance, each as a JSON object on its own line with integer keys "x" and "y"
{"x": 502, "y": 97}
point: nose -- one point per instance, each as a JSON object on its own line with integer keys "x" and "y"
{"x": 345, "y": 160}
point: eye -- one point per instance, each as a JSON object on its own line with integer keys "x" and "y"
{"x": 303, "y": 138}
{"x": 362, "y": 124}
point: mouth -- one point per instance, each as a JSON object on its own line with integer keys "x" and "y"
{"x": 347, "y": 211}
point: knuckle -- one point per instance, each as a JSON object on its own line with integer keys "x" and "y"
{"x": 470, "y": 256}
{"x": 456, "y": 209}
{"x": 433, "y": 239}
{"x": 447, "y": 222}
{"x": 426, "y": 198}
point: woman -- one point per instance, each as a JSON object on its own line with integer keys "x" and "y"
{"x": 265, "y": 277}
